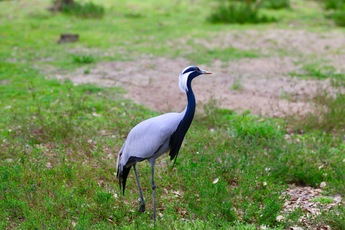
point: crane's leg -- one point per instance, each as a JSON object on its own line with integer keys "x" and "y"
{"x": 153, "y": 191}
{"x": 142, "y": 201}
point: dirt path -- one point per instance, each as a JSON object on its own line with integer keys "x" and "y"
{"x": 262, "y": 85}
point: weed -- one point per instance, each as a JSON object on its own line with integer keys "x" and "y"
{"x": 236, "y": 85}
{"x": 83, "y": 59}
{"x": 286, "y": 96}
{"x": 86, "y": 71}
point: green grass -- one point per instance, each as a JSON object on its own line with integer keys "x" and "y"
{"x": 57, "y": 168}
{"x": 203, "y": 55}
{"x": 320, "y": 71}
{"x": 323, "y": 199}
{"x": 59, "y": 141}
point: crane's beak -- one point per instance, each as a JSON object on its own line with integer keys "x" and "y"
{"x": 205, "y": 72}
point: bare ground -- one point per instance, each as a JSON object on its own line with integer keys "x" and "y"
{"x": 264, "y": 84}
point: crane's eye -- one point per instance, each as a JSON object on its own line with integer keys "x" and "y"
{"x": 197, "y": 69}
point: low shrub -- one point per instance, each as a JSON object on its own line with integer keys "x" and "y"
{"x": 333, "y": 4}
{"x": 238, "y": 12}
{"x": 86, "y": 10}
{"x": 276, "y": 4}
{"x": 338, "y": 17}
{"x": 335, "y": 11}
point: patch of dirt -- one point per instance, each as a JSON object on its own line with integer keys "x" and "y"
{"x": 273, "y": 41}
{"x": 311, "y": 202}
{"x": 263, "y": 84}
{"x": 153, "y": 82}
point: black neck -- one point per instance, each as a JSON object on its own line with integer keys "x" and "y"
{"x": 190, "y": 109}
{"x": 179, "y": 134}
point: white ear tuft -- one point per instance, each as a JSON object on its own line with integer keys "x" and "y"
{"x": 183, "y": 82}
{"x": 184, "y": 78}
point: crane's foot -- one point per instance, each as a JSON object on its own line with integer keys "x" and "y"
{"x": 141, "y": 208}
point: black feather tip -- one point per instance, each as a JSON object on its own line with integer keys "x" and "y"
{"x": 123, "y": 178}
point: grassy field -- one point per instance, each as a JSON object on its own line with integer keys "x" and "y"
{"x": 59, "y": 142}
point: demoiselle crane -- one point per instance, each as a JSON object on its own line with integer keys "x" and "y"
{"x": 151, "y": 138}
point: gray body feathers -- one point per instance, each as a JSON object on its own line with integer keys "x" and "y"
{"x": 147, "y": 140}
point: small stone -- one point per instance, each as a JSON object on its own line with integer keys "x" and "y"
{"x": 296, "y": 228}
{"x": 96, "y": 114}
{"x": 337, "y": 199}
{"x": 280, "y": 218}
{"x": 323, "y": 184}
{"x": 49, "y": 165}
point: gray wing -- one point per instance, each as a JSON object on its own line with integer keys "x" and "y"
{"x": 146, "y": 138}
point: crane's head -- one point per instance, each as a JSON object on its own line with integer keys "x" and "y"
{"x": 188, "y": 74}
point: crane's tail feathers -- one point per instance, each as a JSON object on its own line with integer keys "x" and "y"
{"x": 173, "y": 154}
{"x": 123, "y": 178}
{"x": 175, "y": 159}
